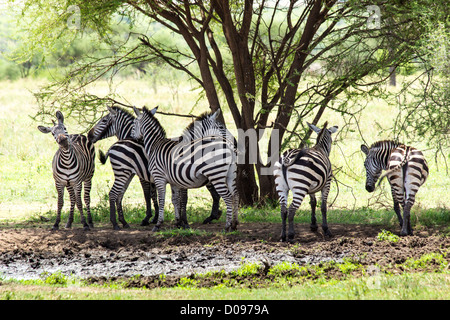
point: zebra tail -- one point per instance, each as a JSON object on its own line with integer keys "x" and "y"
{"x": 400, "y": 165}
{"x": 102, "y": 157}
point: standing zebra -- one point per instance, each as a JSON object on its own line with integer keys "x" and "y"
{"x": 407, "y": 170}
{"x": 73, "y": 165}
{"x": 188, "y": 165}
{"x": 305, "y": 171}
{"x": 128, "y": 158}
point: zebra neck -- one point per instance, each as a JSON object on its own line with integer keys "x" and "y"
{"x": 123, "y": 131}
{"x": 384, "y": 156}
{"x": 324, "y": 146}
{"x": 151, "y": 139}
{"x": 68, "y": 156}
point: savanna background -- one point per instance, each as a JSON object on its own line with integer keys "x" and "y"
{"x": 81, "y": 72}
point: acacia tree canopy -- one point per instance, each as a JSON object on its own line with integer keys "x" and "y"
{"x": 252, "y": 55}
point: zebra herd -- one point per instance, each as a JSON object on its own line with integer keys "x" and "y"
{"x": 206, "y": 155}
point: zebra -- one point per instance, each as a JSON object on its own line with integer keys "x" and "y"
{"x": 128, "y": 158}
{"x": 188, "y": 165}
{"x": 305, "y": 171}
{"x": 407, "y": 170}
{"x": 73, "y": 164}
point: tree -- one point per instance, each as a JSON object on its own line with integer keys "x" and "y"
{"x": 254, "y": 54}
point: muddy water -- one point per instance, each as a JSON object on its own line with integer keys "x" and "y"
{"x": 27, "y": 253}
{"x": 184, "y": 261}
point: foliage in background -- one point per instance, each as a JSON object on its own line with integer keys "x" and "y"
{"x": 250, "y": 57}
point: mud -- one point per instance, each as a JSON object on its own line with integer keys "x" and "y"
{"x": 27, "y": 253}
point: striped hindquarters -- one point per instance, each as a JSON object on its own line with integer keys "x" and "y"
{"x": 407, "y": 168}
{"x": 129, "y": 155}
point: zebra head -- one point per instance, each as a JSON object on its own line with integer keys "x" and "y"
{"x": 59, "y": 131}
{"x": 324, "y": 136}
{"x": 145, "y": 123}
{"x": 117, "y": 122}
{"x": 373, "y": 167}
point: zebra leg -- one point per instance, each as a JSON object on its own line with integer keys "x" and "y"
{"x": 114, "y": 195}
{"x": 72, "y": 197}
{"x": 235, "y": 209}
{"x": 119, "y": 201}
{"x": 398, "y": 213}
{"x": 147, "y": 195}
{"x": 183, "y": 196}
{"x": 323, "y": 208}
{"x": 397, "y": 196}
{"x": 215, "y": 212}
{"x": 291, "y": 214}
{"x": 406, "y": 228}
{"x": 176, "y": 205}
{"x": 154, "y": 197}
{"x": 229, "y": 199}
{"x": 161, "y": 189}
{"x": 77, "y": 191}
{"x": 283, "y": 196}
{"x": 87, "y": 201}
{"x": 313, "y": 203}
{"x": 60, "y": 190}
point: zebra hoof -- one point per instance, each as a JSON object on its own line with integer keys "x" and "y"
{"x": 313, "y": 227}
{"x": 145, "y": 223}
{"x": 126, "y": 226}
{"x": 116, "y": 227}
{"x": 155, "y": 229}
{"x": 55, "y": 228}
{"x": 405, "y": 233}
{"x": 207, "y": 220}
{"x": 327, "y": 233}
{"x": 86, "y": 228}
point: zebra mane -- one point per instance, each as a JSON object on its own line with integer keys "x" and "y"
{"x": 124, "y": 112}
{"x": 201, "y": 117}
{"x": 381, "y": 143}
{"x": 156, "y": 121}
{"x": 322, "y": 132}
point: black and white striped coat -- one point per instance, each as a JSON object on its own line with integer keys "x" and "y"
{"x": 188, "y": 165}
{"x": 305, "y": 171}
{"x": 407, "y": 171}
{"x": 73, "y": 165}
{"x": 128, "y": 158}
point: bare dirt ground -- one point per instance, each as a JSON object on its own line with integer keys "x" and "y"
{"x": 103, "y": 253}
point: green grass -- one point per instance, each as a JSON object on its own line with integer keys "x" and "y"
{"x": 27, "y": 194}
{"x": 284, "y": 281}
{"x": 27, "y": 187}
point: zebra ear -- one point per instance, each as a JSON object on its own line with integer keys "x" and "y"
{"x": 333, "y": 129}
{"x": 153, "y": 111}
{"x": 60, "y": 117}
{"x": 136, "y": 110}
{"x": 111, "y": 110}
{"x": 365, "y": 149}
{"x": 44, "y": 129}
{"x": 215, "y": 114}
{"x": 313, "y": 127}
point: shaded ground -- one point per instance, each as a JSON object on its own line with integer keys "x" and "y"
{"x": 104, "y": 253}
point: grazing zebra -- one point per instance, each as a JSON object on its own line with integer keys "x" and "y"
{"x": 188, "y": 165}
{"x": 407, "y": 170}
{"x": 128, "y": 158}
{"x": 305, "y": 171}
{"x": 73, "y": 165}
